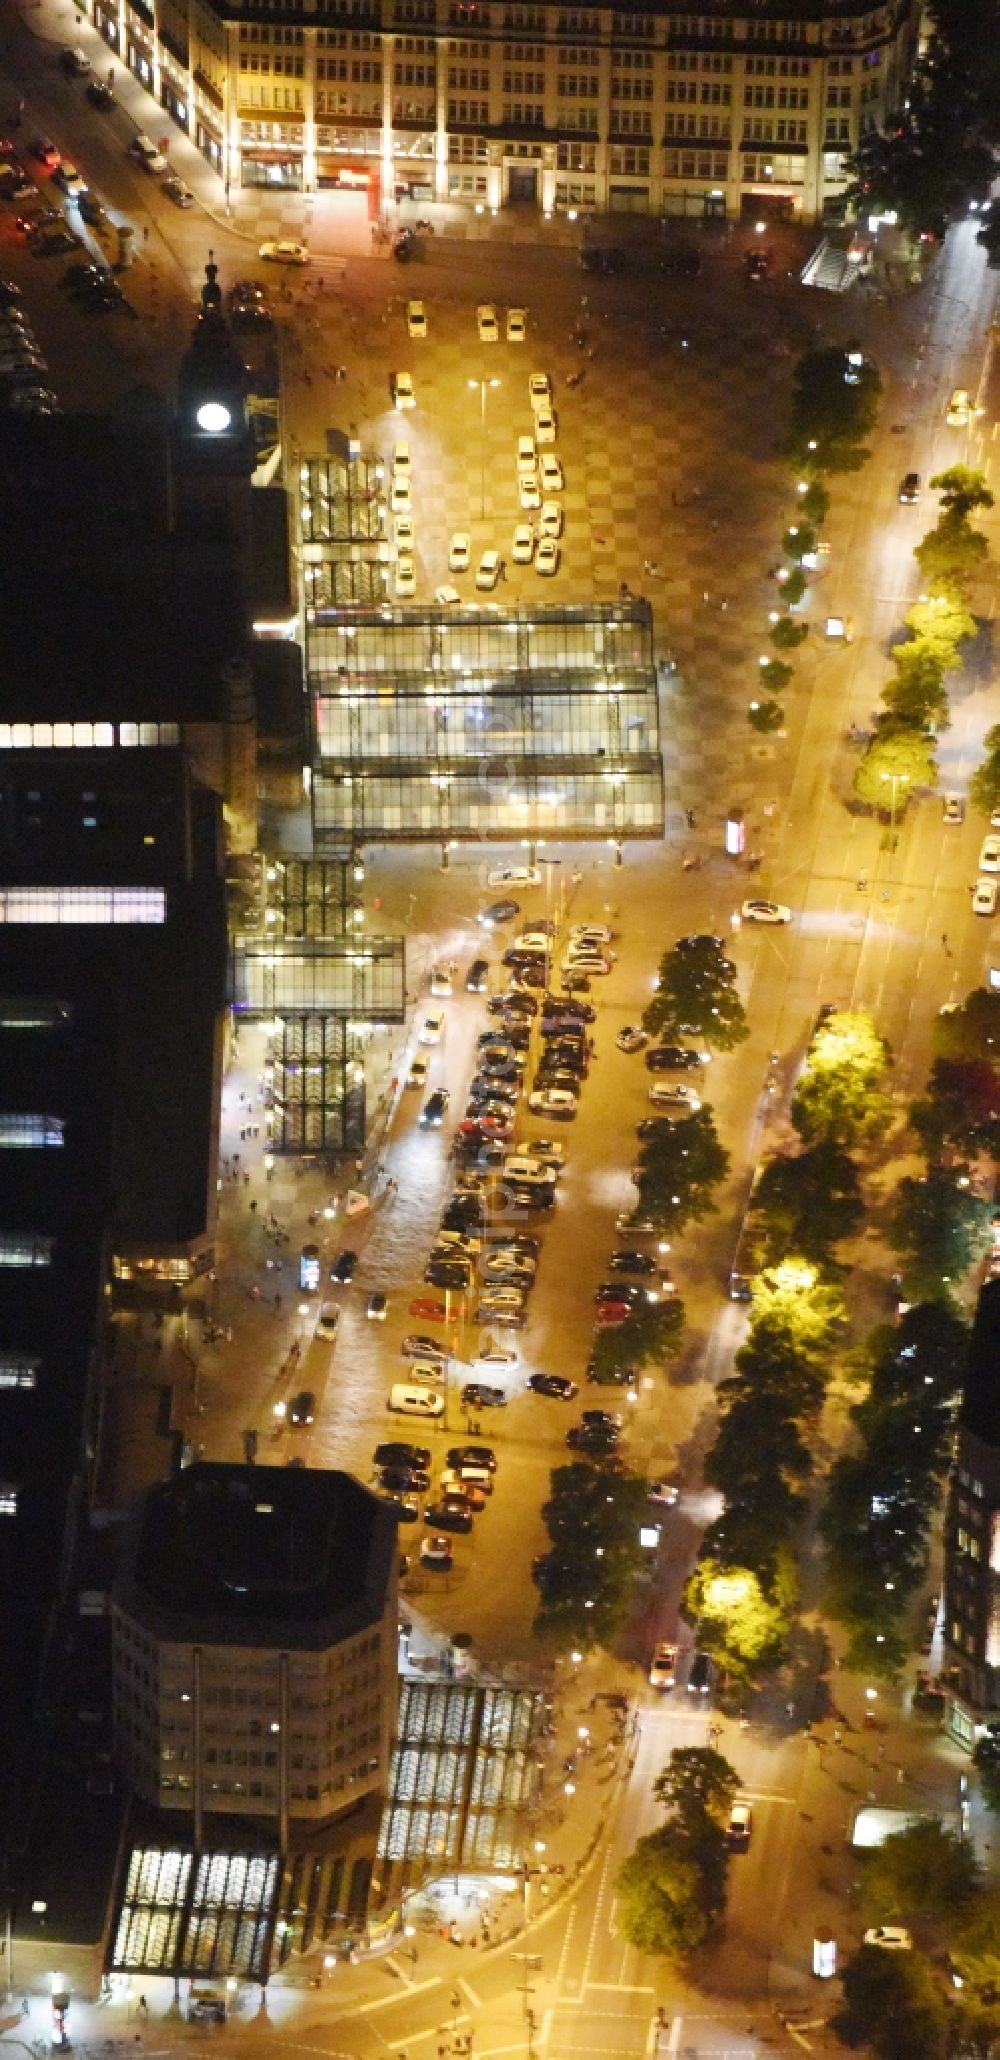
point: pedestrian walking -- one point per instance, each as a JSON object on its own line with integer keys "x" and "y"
{"x": 838, "y": 1735}
{"x": 944, "y": 940}
{"x": 253, "y": 1205}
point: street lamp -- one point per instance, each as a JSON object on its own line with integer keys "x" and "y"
{"x": 482, "y": 387}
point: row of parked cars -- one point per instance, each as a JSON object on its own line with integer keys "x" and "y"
{"x": 24, "y": 387}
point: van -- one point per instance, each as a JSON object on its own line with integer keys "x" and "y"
{"x": 76, "y": 63}
{"x": 150, "y": 158}
{"x": 473, "y": 1477}
{"x": 528, "y": 1172}
{"x": 405, "y": 1400}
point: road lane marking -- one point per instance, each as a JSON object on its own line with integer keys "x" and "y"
{"x": 546, "y": 2030}
{"x": 416, "y": 1988}
{"x": 625, "y": 1988}
{"x": 469, "y": 1991}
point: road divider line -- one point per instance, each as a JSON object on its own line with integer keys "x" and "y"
{"x": 416, "y": 1988}
{"x": 468, "y": 1990}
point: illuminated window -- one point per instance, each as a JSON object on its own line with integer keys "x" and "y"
{"x": 82, "y": 905}
{"x": 8, "y": 1498}
{"x": 29, "y": 1133}
{"x": 18, "y": 1370}
{"x": 33, "y": 1012}
{"x": 25, "y": 1248}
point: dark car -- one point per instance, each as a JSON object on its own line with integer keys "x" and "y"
{"x": 398, "y": 1453}
{"x": 672, "y": 1058}
{"x": 553, "y": 1384}
{"x": 568, "y": 1005}
{"x": 653, "y": 1126}
{"x": 515, "y": 1003}
{"x": 499, "y": 912}
{"x": 908, "y": 491}
{"x": 757, "y": 265}
{"x": 471, "y": 1455}
{"x": 617, "y": 1377}
{"x": 477, "y": 976}
{"x": 100, "y": 95}
{"x": 573, "y": 1057}
{"x": 586, "y": 1438}
{"x": 477, "y": 1395}
{"x": 450, "y": 1514}
{"x": 302, "y": 1410}
{"x": 464, "y": 1212}
{"x": 506, "y": 1070}
{"x": 404, "y": 1480}
{"x": 519, "y": 959}
{"x": 622, "y": 1292}
{"x": 528, "y": 1198}
{"x": 575, "y": 983}
{"x": 448, "y": 1273}
{"x": 699, "y": 1679}
{"x": 344, "y": 1267}
{"x": 432, "y": 1113}
{"x": 631, "y": 1262}
{"x": 558, "y": 1075}
{"x": 602, "y": 1420}
{"x": 91, "y": 210}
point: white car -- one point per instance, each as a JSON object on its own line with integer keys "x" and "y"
{"x": 488, "y": 571}
{"x": 284, "y": 252}
{"x": 545, "y": 425}
{"x": 399, "y": 497}
{"x": 441, "y": 986}
{"x": 893, "y": 1938}
{"x": 405, "y": 582}
{"x": 493, "y": 1353}
{"x": 514, "y": 876}
{"x": 401, "y": 467}
{"x": 419, "y": 1069}
{"x": 590, "y": 933}
{"x": 539, "y": 391}
{"x": 664, "y": 1095}
{"x": 416, "y": 320}
{"x": 423, "y": 1374}
{"x": 403, "y": 395}
{"x": 553, "y": 1101}
{"x": 552, "y": 474}
{"x": 548, "y": 1149}
{"x": 765, "y": 912}
{"x": 517, "y": 320}
{"x": 72, "y": 182}
{"x": 989, "y": 856}
{"x": 631, "y": 1038}
{"x": 527, "y": 457}
{"x": 431, "y": 1028}
{"x": 547, "y": 557}
{"x": 459, "y": 552}
{"x": 551, "y": 522}
{"x": 506, "y": 1297}
{"x": 486, "y": 317}
{"x": 663, "y": 1666}
{"x": 984, "y": 898}
{"x": 528, "y": 495}
{"x": 524, "y": 544}
{"x": 327, "y": 1320}
{"x": 402, "y": 528}
{"x": 959, "y": 408}
{"x": 447, "y": 597}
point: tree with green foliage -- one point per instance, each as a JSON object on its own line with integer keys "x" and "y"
{"x": 758, "y": 1441}
{"x": 814, "y": 504}
{"x": 765, "y": 717}
{"x": 585, "y": 1580}
{"x": 960, "y": 1107}
{"x": 984, "y": 786}
{"x": 677, "y": 1170}
{"x": 892, "y": 2003}
{"x": 786, "y": 635}
{"x": 971, "y": 1031}
{"x": 986, "y": 1760}
{"x": 950, "y": 554}
{"x": 652, "y": 1334}
{"x": 925, "y": 1873}
{"x": 742, "y": 1625}
{"x": 696, "y": 995}
{"x": 799, "y": 541}
{"x": 793, "y": 588}
{"x": 697, "y": 1782}
{"x": 943, "y": 623}
{"x": 929, "y": 157}
{"x": 975, "y": 1946}
{"x": 939, "y": 1227}
{"x": 840, "y": 1097}
{"x": 796, "y": 1295}
{"x": 775, "y": 675}
{"x": 806, "y": 1204}
{"x": 669, "y": 1898}
{"x": 916, "y": 698}
{"x": 776, "y": 1358}
{"x": 962, "y": 490}
{"x": 834, "y": 405}
{"x": 894, "y": 767}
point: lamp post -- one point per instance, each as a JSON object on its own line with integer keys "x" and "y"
{"x": 482, "y": 387}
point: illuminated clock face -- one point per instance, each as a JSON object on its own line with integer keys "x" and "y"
{"x": 213, "y": 417}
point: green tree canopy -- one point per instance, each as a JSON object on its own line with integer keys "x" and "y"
{"x": 796, "y": 1296}
{"x": 585, "y": 1580}
{"x": 757, "y": 1442}
{"x": 677, "y": 1170}
{"x": 938, "y": 1226}
{"x": 696, "y": 995}
{"x": 923, "y": 1873}
{"x": 839, "y": 1099}
{"x": 984, "y": 786}
{"x": 743, "y": 1627}
{"x": 652, "y": 1334}
{"x": 951, "y": 553}
{"x": 893, "y": 2004}
{"x": 986, "y": 1760}
{"x": 806, "y": 1204}
{"x": 834, "y": 405}
{"x": 669, "y": 1896}
{"x": 916, "y": 697}
{"x": 973, "y": 1030}
{"x": 697, "y": 1782}
{"x": 897, "y": 762}
{"x": 962, "y": 490}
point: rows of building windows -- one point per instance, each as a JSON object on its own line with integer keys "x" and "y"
{"x": 86, "y": 736}
{"x": 83, "y": 905}
{"x": 18, "y": 1369}
{"x": 26, "y": 1133}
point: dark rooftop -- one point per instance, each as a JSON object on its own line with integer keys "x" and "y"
{"x": 257, "y": 1555}
{"x": 980, "y": 1411}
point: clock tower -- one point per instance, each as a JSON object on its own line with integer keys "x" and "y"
{"x": 213, "y": 444}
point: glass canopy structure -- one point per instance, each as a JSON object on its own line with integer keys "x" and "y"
{"x": 450, "y": 723}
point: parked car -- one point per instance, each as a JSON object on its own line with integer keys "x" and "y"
{"x": 663, "y": 1665}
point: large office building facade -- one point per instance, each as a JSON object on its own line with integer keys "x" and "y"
{"x": 726, "y": 111}
{"x": 972, "y": 1536}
